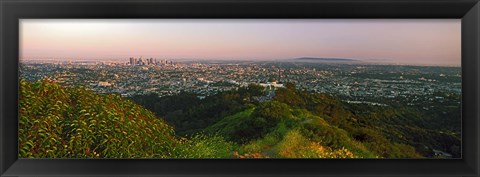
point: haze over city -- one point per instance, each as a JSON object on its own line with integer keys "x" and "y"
{"x": 411, "y": 42}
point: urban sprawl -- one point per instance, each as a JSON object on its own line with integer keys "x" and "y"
{"x": 355, "y": 83}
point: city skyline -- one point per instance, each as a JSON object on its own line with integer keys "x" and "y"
{"x": 408, "y": 42}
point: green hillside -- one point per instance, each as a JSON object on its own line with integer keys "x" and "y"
{"x": 59, "y": 122}
{"x": 298, "y": 134}
{"x": 274, "y": 129}
{"x": 249, "y": 118}
{"x": 66, "y": 122}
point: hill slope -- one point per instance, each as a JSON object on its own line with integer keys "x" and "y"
{"x": 64, "y": 122}
{"x": 251, "y": 119}
{"x": 58, "y": 122}
{"x": 275, "y": 129}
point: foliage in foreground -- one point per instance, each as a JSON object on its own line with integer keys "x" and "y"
{"x": 58, "y": 122}
{"x": 63, "y": 122}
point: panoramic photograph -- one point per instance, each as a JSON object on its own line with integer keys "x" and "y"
{"x": 240, "y": 88}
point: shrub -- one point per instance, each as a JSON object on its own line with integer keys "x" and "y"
{"x": 201, "y": 146}
{"x": 58, "y": 122}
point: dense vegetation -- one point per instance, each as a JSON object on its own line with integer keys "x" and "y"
{"x": 368, "y": 131}
{"x": 64, "y": 122}
{"x": 57, "y": 122}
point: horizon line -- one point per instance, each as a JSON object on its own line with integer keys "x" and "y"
{"x": 354, "y": 60}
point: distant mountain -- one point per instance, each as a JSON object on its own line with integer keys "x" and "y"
{"x": 325, "y": 59}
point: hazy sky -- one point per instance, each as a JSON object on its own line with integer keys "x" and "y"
{"x": 415, "y": 41}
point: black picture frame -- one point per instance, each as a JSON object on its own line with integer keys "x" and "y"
{"x": 13, "y": 10}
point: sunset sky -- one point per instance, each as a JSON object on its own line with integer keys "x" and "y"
{"x": 416, "y": 41}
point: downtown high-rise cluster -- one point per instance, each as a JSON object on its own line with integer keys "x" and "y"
{"x": 148, "y": 61}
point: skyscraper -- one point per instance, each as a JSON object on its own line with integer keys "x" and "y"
{"x": 132, "y": 61}
{"x": 140, "y": 61}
